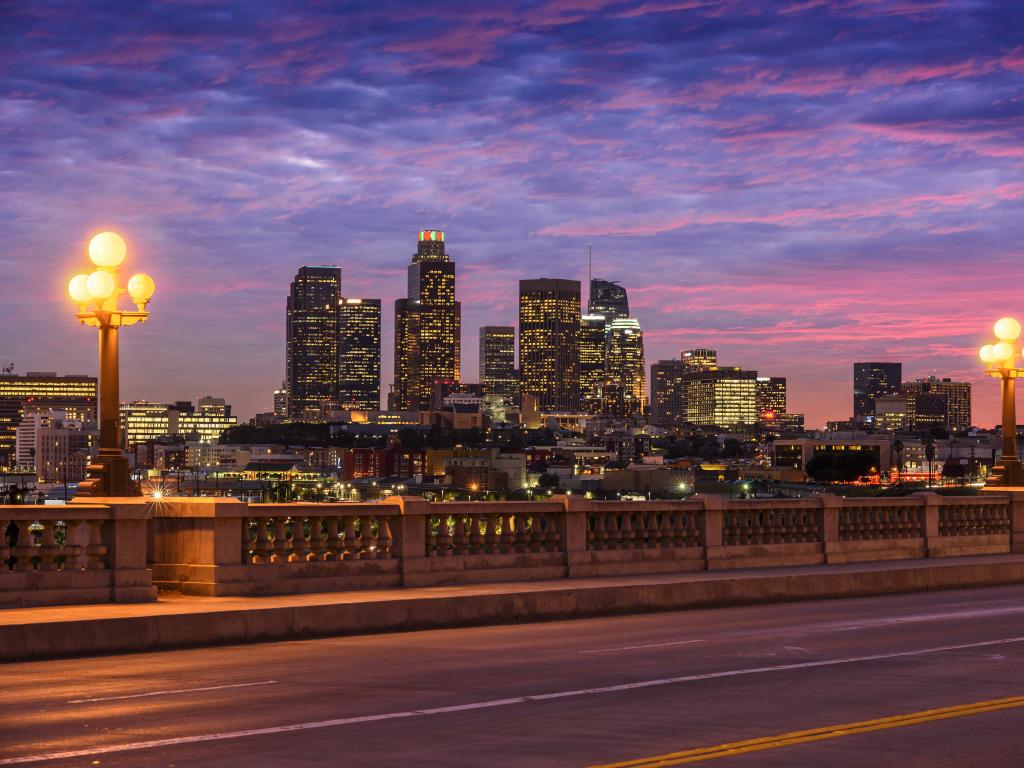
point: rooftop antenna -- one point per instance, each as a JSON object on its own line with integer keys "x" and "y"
{"x": 590, "y": 274}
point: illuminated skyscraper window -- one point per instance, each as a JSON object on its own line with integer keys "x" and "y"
{"x": 427, "y": 326}
{"x": 359, "y": 354}
{"x": 549, "y": 329}
{"x": 312, "y": 339}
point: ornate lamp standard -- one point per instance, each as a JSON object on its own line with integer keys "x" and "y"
{"x": 96, "y": 295}
{"x": 999, "y": 357}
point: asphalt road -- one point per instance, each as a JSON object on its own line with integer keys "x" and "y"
{"x": 570, "y": 693}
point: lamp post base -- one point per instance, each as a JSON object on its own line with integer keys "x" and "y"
{"x": 1008, "y": 472}
{"x": 109, "y": 475}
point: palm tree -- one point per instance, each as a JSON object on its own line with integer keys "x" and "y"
{"x": 929, "y": 454}
{"x": 897, "y": 447}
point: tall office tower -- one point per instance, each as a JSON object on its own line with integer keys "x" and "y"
{"x": 771, "y": 399}
{"x": 699, "y": 359}
{"x": 937, "y": 402}
{"x": 359, "y": 354}
{"x": 871, "y": 380}
{"x": 609, "y": 299}
{"x": 722, "y": 397}
{"x": 668, "y": 392}
{"x": 427, "y": 326}
{"x": 549, "y": 326}
{"x": 75, "y": 395}
{"x": 625, "y": 385}
{"x": 592, "y": 362}
{"x": 498, "y": 360}
{"x": 281, "y": 401}
{"x": 312, "y": 339}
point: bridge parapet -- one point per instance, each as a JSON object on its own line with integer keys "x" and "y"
{"x": 78, "y": 553}
{"x": 215, "y": 546}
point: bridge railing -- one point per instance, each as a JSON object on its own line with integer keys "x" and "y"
{"x": 408, "y": 541}
{"x": 221, "y": 546}
{"x": 76, "y": 553}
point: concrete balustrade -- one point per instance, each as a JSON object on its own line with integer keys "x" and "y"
{"x": 98, "y": 552}
{"x": 79, "y": 553}
{"x": 212, "y": 546}
{"x": 407, "y": 541}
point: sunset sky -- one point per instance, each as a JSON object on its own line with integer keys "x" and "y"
{"x": 798, "y": 184}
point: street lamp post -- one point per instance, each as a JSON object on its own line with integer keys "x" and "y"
{"x": 96, "y": 295}
{"x": 999, "y": 358}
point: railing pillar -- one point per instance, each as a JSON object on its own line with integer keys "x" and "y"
{"x": 828, "y": 525}
{"x": 932, "y": 540}
{"x": 191, "y": 537}
{"x": 410, "y": 539}
{"x": 124, "y": 538}
{"x": 711, "y": 530}
{"x": 1016, "y": 515}
{"x": 572, "y": 529}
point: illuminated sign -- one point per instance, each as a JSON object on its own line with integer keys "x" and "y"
{"x": 431, "y": 235}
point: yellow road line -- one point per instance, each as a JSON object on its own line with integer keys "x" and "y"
{"x": 817, "y": 734}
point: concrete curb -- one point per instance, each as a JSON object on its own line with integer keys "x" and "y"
{"x": 517, "y": 603}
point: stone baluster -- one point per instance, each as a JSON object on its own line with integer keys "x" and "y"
{"x": 95, "y": 550}
{"x": 6, "y": 553}
{"x": 537, "y": 542}
{"x": 334, "y": 546}
{"x": 460, "y": 538}
{"x": 476, "y": 536}
{"x": 351, "y": 548}
{"x": 444, "y": 537}
{"x": 598, "y": 534}
{"x": 262, "y": 550}
{"x": 317, "y": 543}
{"x": 491, "y": 534}
{"x": 521, "y": 534}
{"x": 24, "y": 549}
{"x": 552, "y": 533}
{"x": 245, "y": 539}
{"x": 626, "y": 532}
{"x": 281, "y": 543}
{"x": 367, "y": 541}
{"x": 74, "y": 553}
{"x": 48, "y": 549}
{"x": 298, "y": 540}
{"x": 506, "y": 541}
{"x": 385, "y": 538}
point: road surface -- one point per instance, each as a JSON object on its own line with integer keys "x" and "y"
{"x": 569, "y": 693}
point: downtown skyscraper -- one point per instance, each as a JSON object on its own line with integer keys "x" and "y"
{"x": 359, "y": 354}
{"x": 311, "y": 339}
{"x": 625, "y": 386}
{"x": 549, "y": 329}
{"x": 498, "y": 360}
{"x": 428, "y": 325}
{"x": 871, "y": 381}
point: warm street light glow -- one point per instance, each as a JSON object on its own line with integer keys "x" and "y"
{"x": 101, "y": 285}
{"x": 96, "y": 295}
{"x": 1003, "y": 352}
{"x": 1007, "y": 329}
{"x": 107, "y": 250}
{"x": 1000, "y": 364}
{"x": 141, "y": 288}
{"x": 78, "y": 289}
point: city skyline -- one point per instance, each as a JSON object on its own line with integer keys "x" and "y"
{"x": 237, "y": 174}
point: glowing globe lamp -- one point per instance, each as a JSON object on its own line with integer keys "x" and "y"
{"x": 107, "y": 249}
{"x": 1007, "y": 329}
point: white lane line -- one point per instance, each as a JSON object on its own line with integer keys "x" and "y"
{"x": 226, "y": 735}
{"x": 171, "y": 693}
{"x": 637, "y": 647}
